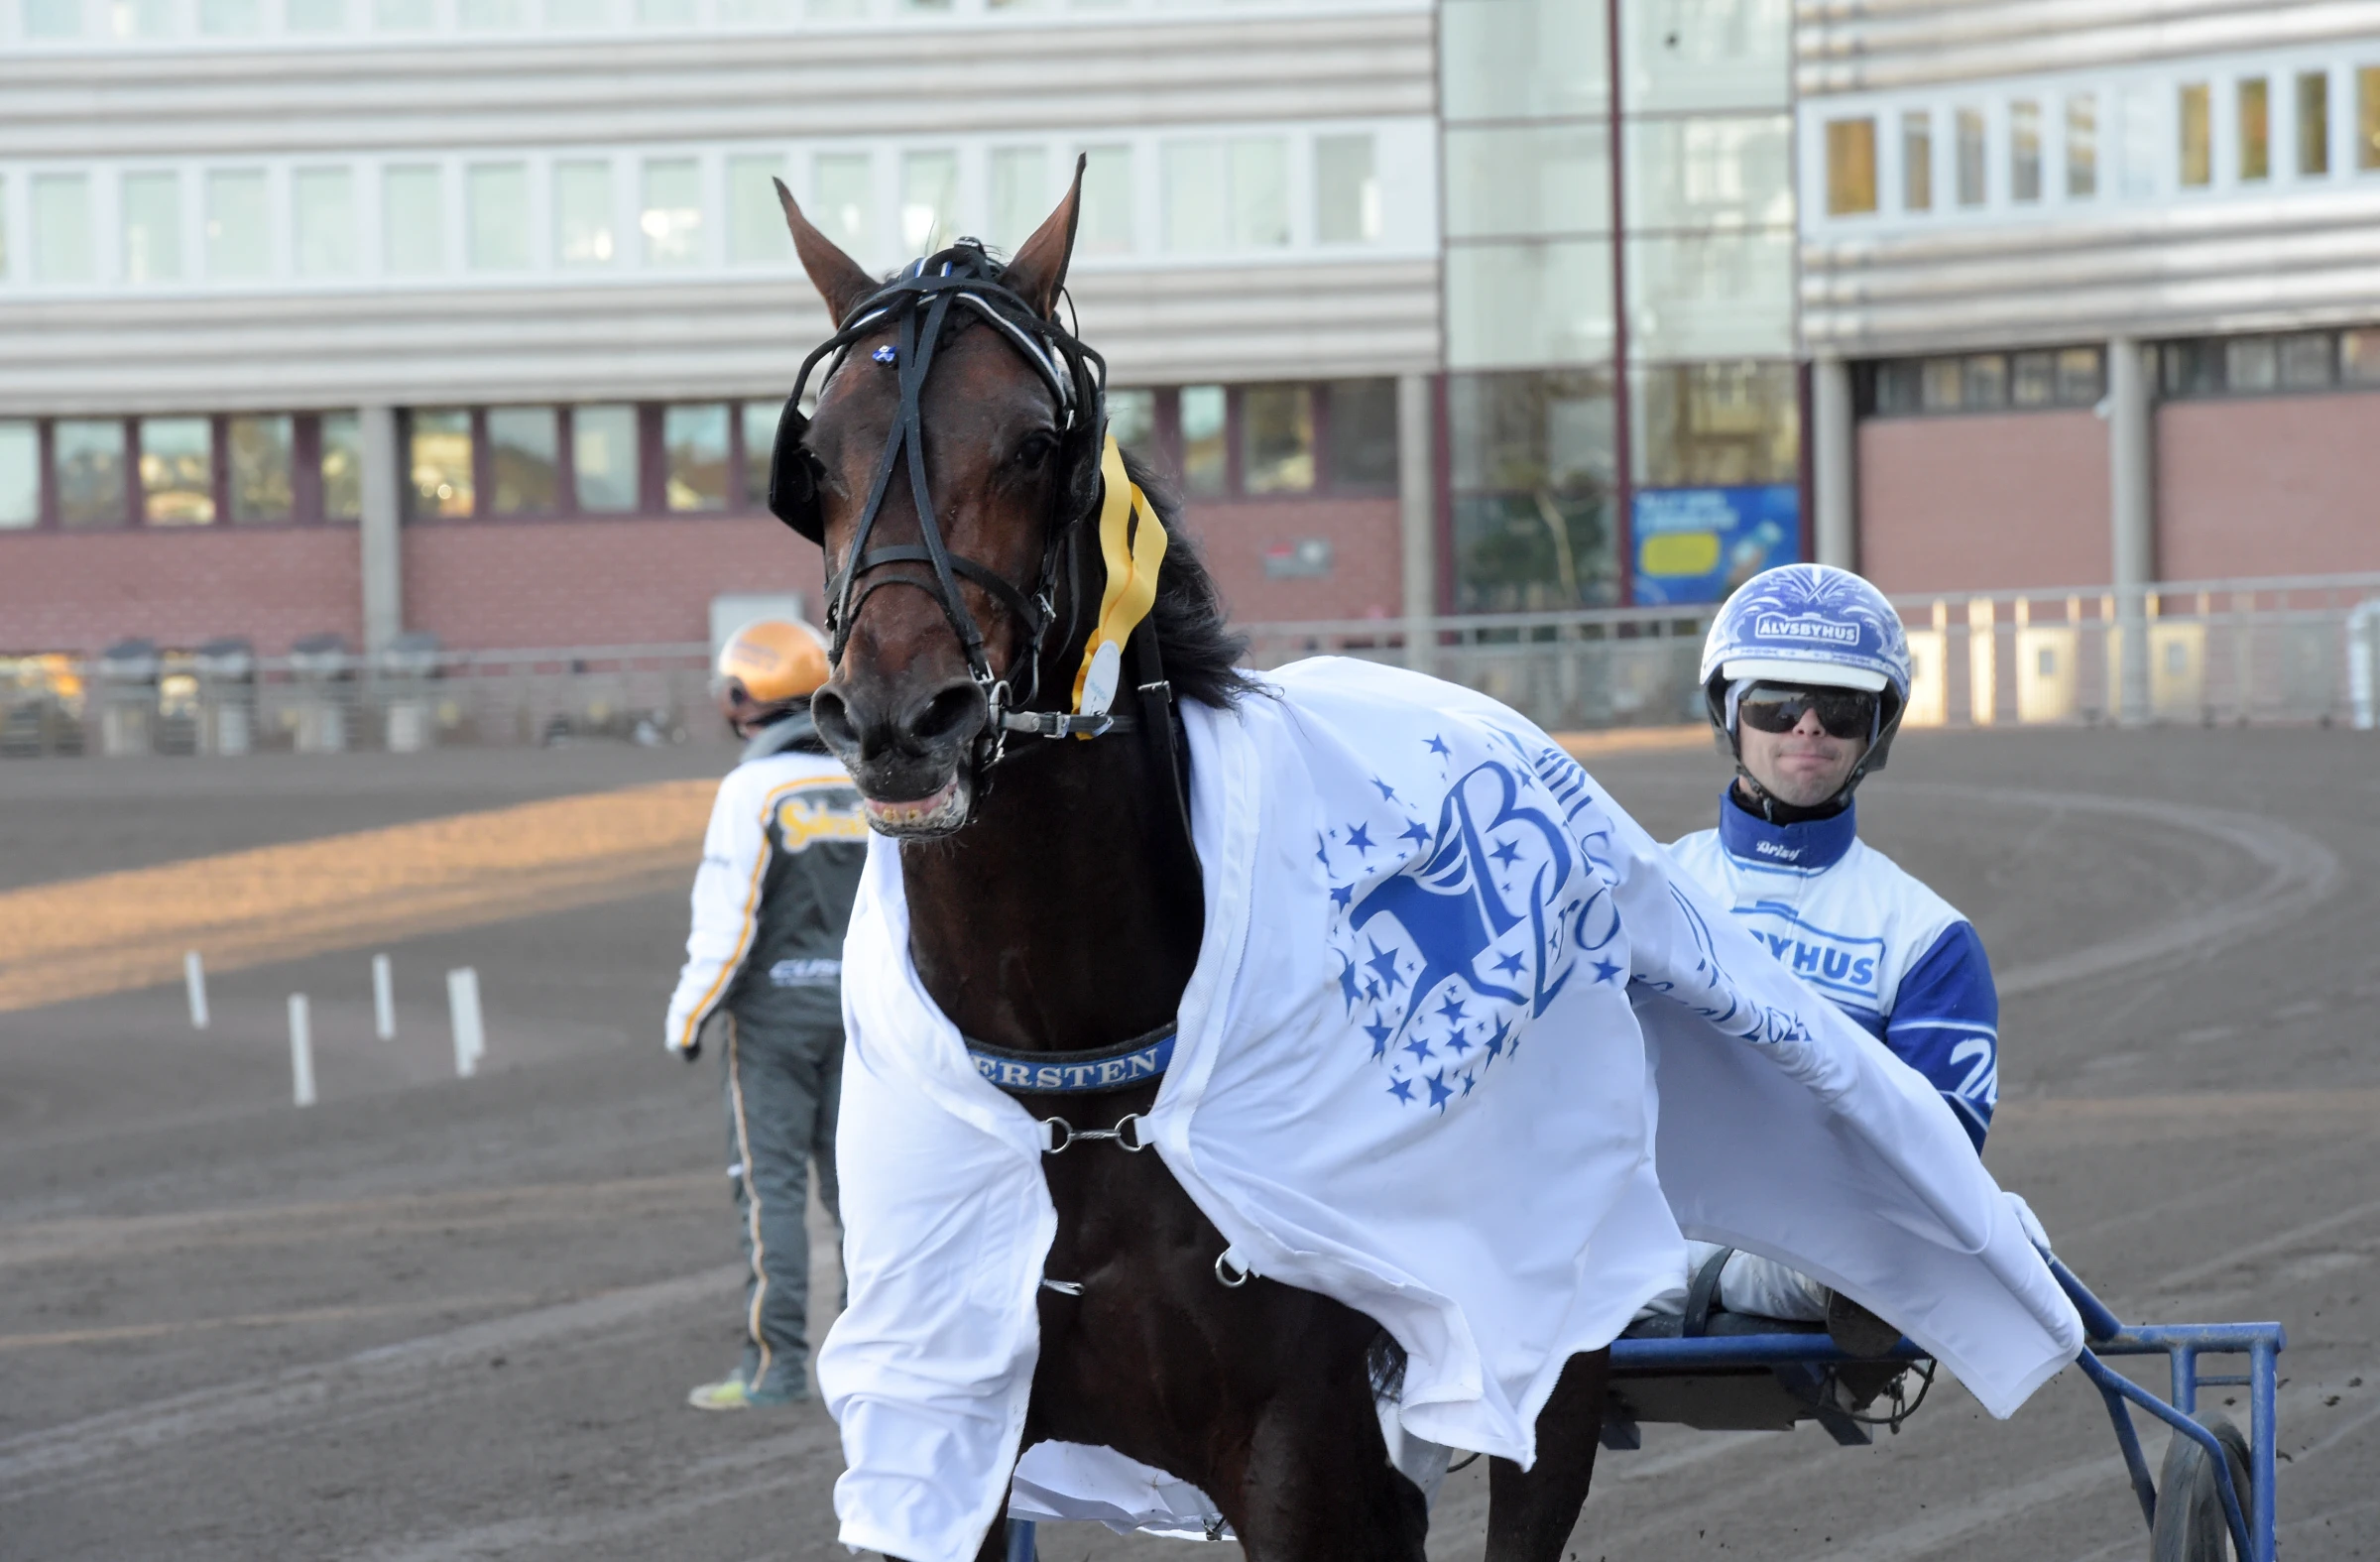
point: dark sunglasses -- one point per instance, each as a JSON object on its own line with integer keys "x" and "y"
{"x": 1845, "y": 713}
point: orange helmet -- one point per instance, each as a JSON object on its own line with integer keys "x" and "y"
{"x": 766, "y": 665}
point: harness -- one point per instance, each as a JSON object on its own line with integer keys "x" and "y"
{"x": 927, "y": 302}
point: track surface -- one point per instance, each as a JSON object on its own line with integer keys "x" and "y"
{"x": 452, "y": 1319}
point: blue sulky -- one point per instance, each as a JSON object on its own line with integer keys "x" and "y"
{"x": 1799, "y": 1362}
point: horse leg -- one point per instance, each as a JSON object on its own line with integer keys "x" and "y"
{"x": 1531, "y": 1513}
{"x": 1313, "y": 1482}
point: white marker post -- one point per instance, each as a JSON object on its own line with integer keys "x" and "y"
{"x": 384, "y": 1000}
{"x": 193, "y": 977}
{"x": 301, "y": 1050}
{"x": 462, "y": 1009}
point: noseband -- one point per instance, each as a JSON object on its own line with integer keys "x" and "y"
{"x": 925, "y": 302}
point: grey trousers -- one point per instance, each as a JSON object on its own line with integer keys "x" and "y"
{"x": 782, "y": 1088}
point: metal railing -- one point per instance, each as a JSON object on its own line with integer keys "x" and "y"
{"x": 2296, "y": 650}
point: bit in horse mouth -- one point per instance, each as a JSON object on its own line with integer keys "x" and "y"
{"x": 944, "y": 810}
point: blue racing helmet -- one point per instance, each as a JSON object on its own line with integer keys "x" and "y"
{"x": 1811, "y": 625}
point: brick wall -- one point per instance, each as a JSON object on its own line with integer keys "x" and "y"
{"x": 82, "y": 591}
{"x": 609, "y": 582}
{"x": 2286, "y": 485}
{"x": 1366, "y": 576}
{"x": 1983, "y": 502}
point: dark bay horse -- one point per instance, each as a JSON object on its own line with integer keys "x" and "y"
{"x": 1055, "y": 902}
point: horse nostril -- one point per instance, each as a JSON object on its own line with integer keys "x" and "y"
{"x": 832, "y": 718}
{"x": 950, "y": 717}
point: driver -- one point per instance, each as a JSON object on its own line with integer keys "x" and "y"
{"x": 1806, "y": 675}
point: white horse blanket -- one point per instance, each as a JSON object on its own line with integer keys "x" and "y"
{"x": 1452, "y": 1009}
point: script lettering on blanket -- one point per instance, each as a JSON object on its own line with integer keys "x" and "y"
{"x": 1452, "y": 945}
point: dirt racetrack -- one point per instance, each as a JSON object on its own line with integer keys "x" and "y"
{"x": 433, "y": 1319}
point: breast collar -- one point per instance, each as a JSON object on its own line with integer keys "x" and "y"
{"x": 1812, "y": 846}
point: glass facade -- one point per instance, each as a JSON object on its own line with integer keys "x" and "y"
{"x": 1546, "y": 285}
{"x": 177, "y": 471}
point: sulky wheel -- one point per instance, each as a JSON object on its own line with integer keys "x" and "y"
{"x": 2190, "y": 1526}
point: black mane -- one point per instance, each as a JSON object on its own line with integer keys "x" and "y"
{"x": 1201, "y": 649}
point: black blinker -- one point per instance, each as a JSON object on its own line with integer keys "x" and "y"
{"x": 793, "y": 476}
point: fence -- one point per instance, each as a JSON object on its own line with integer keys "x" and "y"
{"x": 326, "y": 703}
{"x": 2295, "y": 650}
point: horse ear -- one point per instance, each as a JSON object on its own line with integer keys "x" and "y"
{"x": 1038, "y": 270}
{"x": 839, "y": 279}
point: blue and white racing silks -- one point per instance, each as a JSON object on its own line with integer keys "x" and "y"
{"x": 1891, "y": 954}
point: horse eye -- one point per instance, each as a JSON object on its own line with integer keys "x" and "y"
{"x": 1036, "y": 448}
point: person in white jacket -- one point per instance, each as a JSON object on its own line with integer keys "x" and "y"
{"x": 772, "y": 901}
{"x": 1806, "y": 674}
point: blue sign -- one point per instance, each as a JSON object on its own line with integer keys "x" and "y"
{"x": 1697, "y": 544}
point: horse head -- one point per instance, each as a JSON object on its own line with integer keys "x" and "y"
{"x": 954, "y": 447}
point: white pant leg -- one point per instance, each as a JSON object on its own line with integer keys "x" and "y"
{"x": 1753, "y": 1285}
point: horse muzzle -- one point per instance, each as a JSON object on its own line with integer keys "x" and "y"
{"x": 910, "y": 757}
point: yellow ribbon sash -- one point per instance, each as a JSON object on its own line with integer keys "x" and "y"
{"x": 1133, "y": 554}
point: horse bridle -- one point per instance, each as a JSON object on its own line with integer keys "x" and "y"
{"x": 928, "y": 299}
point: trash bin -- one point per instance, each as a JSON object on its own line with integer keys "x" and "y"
{"x": 408, "y": 671}
{"x": 324, "y": 671}
{"x": 226, "y": 670}
{"x": 128, "y": 672}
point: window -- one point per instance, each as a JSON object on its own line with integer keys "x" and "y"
{"x": 20, "y": 475}
{"x": 491, "y": 16}
{"x": 1363, "y": 433}
{"x": 525, "y": 460}
{"x": 2081, "y": 145}
{"x": 2306, "y": 361}
{"x": 1717, "y": 424}
{"x": 340, "y": 465}
{"x": 1524, "y": 180}
{"x": 2197, "y": 137}
{"x": 442, "y": 482}
{"x": 2359, "y": 357}
{"x": 2313, "y": 122}
{"x": 152, "y": 227}
{"x": 53, "y": 18}
{"x": 261, "y": 455}
{"x": 582, "y": 213}
{"x": 1206, "y": 457}
{"x": 412, "y": 221}
{"x": 2024, "y": 149}
{"x": 1970, "y": 156}
{"x": 86, "y": 471}
{"x": 2251, "y": 363}
{"x": 1260, "y": 201}
{"x": 404, "y": 16}
{"x": 1276, "y": 439}
{"x": 666, "y": 13}
{"x": 672, "y": 216}
{"x": 177, "y": 471}
{"x": 603, "y": 457}
{"x": 694, "y": 454}
{"x": 760, "y": 445}
{"x": 1899, "y": 388}
{"x": 930, "y": 200}
{"x": 2367, "y": 118}
{"x": 1850, "y": 167}
{"x": 578, "y": 16}
{"x": 496, "y": 215}
{"x": 1347, "y": 191}
{"x": 1194, "y": 205}
{"x": 325, "y": 214}
{"x": 755, "y": 223}
{"x": 2033, "y": 379}
{"x": 1985, "y": 381}
{"x": 2255, "y": 130}
{"x": 1019, "y": 193}
{"x": 2080, "y": 377}
{"x": 846, "y": 206}
{"x": 239, "y": 226}
{"x": 61, "y": 228}
{"x": 317, "y": 16}
{"x": 1132, "y": 421}
{"x": 2194, "y": 368}
{"x": 1917, "y": 161}
{"x": 1105, "y": 226}
{"x": 1531, "y": 472}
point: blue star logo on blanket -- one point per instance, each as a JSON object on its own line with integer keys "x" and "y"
{"x": 1470, "y": 939}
